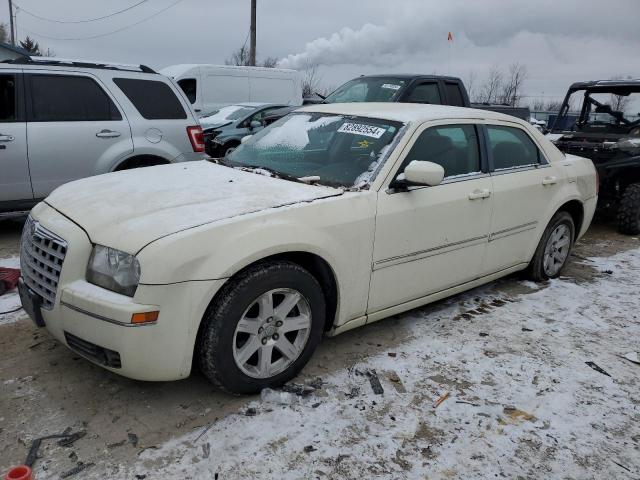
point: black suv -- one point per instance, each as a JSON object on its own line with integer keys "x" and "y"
{"x": 607, "y": 130}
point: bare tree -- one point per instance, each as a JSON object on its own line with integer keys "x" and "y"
{"x": 242, "y": 57}
{"x": 470, "y": 82}
{"x": 239, "y": 57}
{"x": 554, "y": 106}
{"x": 270, "y": 62}
{"x": 311, "y": 79}
{"x": 3, "y": 33}
{"x": 511, "y": 88}
{"x": 537, "y": 104}
{"x": 618, "y": 103}
{"x": 491, "y": 88}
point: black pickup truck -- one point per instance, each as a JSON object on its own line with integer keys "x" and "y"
{"x": 406, "y": 88}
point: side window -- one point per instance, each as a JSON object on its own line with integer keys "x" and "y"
{"x": 454, "y": 95}
{"x": 153, "y": 99}
{"x": 8, "y": 106}
{"x": 66, "y": 98}
{"x": 511, "y": 148}
{"x": 189, "y": 86}
{"x": 425, "y": 93}
{"x": 455, "y": 147}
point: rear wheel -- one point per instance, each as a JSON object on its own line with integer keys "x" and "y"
{"x": 629, "y": 210}
{"x": 554, "y": 248}
{"x": 263, "y": 328}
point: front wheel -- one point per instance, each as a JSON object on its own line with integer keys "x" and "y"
{"x": 262, "y": 329}
{"x": 629, "y": 210}
{"x": 554, "y": 248}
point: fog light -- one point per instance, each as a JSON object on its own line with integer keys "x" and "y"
{"x": 145, "y": 317}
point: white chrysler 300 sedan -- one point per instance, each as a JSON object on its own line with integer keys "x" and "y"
{"x": 333, "y": 217}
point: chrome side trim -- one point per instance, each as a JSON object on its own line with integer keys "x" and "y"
{"x": 104, "y": 319}
{"x": 430, "y": 252}
{"x": 524, "y": 168}
{"x": 512, "y": 231}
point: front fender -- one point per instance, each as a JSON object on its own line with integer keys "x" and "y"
{"x": 342, "y": 236}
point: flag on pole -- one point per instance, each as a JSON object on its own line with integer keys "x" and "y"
{"x": 450, "y": 37}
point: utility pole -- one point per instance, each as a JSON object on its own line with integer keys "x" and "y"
{"x": 252, "y": 46}
{"x": 13, "y": 36}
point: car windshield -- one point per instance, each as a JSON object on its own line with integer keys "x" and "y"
{"x": 228, "y": 113}
{"x": 329, "y": 149}
{"x": 368, "y": 89}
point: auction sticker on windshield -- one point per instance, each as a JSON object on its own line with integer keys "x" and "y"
{"x": 390, "y": 86}
{"x": 361, "y": 129}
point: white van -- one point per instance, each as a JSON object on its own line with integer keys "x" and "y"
{"x": 210, "y": 86}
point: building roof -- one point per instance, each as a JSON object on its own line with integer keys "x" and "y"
{"x": 18, "y": 50}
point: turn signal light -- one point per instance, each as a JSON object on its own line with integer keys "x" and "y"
{"x": 145, "y": 317}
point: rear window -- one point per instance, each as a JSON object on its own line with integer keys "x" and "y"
{"x": 190, "y": 88}
{"x": 153, "y": 99}
{"x": 454, "y": 96}
{"x": 66, "y": 98}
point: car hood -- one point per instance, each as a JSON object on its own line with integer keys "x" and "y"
{"x": 128, "y": 210}
{"x": 210, "y": 125}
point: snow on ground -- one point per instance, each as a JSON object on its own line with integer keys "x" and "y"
{"x": 10, "y": 300}
{"x": 523, "y": 403}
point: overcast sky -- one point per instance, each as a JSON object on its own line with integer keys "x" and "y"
{"x": 559, "y": 41}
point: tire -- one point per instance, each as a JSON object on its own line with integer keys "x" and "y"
{"x": 227, "y": 149}
{"x": 629, "y": 210}
{"x": 540, "y": 271}
{"x": 222, "y": 339}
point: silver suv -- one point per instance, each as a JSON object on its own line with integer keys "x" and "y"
{"x": 61, "y": 120}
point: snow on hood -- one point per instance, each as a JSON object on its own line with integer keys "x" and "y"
{"x": 129, "y": 209}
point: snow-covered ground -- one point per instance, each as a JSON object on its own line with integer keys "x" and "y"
{"x": 523, "y": 403}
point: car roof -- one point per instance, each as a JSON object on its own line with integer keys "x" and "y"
{"x": 407, "y": 112}
{"x": 407, "y": 76}
{"x": 595, "y": 84}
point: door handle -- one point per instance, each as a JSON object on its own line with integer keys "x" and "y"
{"x": 6, "y": 138}
{"x": 107, "y": 134}
{"x": 480, "y": 194}
{"x": 550, "y": 180}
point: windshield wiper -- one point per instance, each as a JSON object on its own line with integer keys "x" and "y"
{"x": 275, "y": 173}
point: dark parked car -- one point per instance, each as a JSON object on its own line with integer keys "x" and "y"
{"x": 406, "y": 88}
{"x": 224, "y": 129}
{"x": 608, "y": 133}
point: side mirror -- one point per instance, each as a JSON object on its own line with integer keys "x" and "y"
{"x": 420, "y": 172}
{"x": 245, "y": 138}
{"x": 255, "y": 124}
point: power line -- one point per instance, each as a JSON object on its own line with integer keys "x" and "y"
{"x": 108, "y": 33}
{"x": 34, "y": 15}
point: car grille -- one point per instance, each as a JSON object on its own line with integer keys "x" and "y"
{"x": 41, "y": 256}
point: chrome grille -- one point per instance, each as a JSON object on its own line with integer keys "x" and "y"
{"x": 41, "y": 256}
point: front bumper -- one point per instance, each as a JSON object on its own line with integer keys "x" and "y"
{"x": 95, "y": 323}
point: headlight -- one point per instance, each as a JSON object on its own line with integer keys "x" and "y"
{"x": 114, "y": 270}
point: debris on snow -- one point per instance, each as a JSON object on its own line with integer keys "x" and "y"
{"x": 597, "y": 368}
{"x": 376, "y": 386}
{"x": 442, "y": 398}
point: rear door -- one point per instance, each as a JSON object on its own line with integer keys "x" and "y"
{"x": 523, "y": 182}
{"x": 75, "y": 129}
{"x": 15, "y": 184}
{"x": 158, "y": 117}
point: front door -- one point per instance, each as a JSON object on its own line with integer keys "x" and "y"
{"x": 429, "y": 239}
{"x": 75, "y": 130}
{"x": 15, "y": 184}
